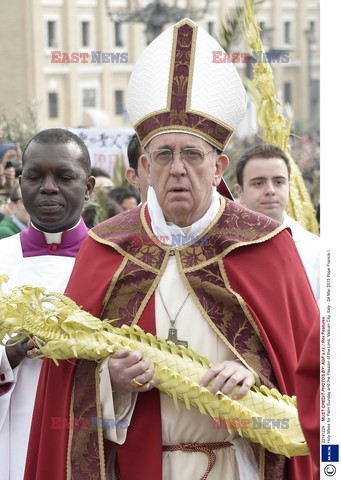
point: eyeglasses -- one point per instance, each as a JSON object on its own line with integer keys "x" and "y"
{"x": 190, "y": 156}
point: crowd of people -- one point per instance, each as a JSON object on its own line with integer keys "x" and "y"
{"x": 108, "y": 199}
{"x": 246, "y": 298}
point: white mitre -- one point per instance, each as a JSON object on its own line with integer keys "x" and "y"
{"x": 176, "y": 87}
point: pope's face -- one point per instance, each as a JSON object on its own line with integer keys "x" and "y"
{"x": 184, "y": 192}
{"x": 265, "y": 187}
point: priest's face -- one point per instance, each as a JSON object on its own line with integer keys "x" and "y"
{"x": 54, "y": 185}
{"x": 183, "y": 186}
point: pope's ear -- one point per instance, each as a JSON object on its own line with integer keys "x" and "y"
{"x": 145, "y": 164}
{"x": 223, "y": 161}
{"x": 220, "y": 166}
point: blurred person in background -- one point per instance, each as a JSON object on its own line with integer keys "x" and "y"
{"x": 102, "y": 178}
{"x": 9, "y": 156}
{"x": 96, "y": 210}
{"x": 126, "y": 197}
{"x": 135, "y": 174}
{"x": 19, "y": 218}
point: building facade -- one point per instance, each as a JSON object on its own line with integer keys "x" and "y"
{"x": 74, "y": 61}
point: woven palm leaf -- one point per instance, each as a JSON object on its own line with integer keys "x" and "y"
{"x": 276, "y": 129}
{"x": 71, "y": 332}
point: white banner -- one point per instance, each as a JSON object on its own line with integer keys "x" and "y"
{"x": 105, "y": 145}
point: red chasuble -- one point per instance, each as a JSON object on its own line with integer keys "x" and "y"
{"x": 262, "y": 270}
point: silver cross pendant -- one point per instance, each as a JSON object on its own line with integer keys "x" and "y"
{"x": 173, "y": 337}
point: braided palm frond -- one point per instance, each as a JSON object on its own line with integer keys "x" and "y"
{"x": 276, "y": 129}
{"x": 71, "y": 332}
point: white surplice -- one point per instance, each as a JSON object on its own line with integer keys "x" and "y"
{"x": 309, "y": 248}
{"x": 16, "y": 405}
{"x": 233, "y": 463}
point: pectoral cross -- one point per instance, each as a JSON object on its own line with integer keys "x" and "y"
{"x": 173, "y": 337}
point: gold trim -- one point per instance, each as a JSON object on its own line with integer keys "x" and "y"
{"x": 225, "y": 125}
{"x": 168, "y": 248}
{"x": 186, "y": 21}
{"x": 116, "y": 247}
{"x": 100, "y": 429}
{"x": 151, "y": 290}
{"x": 69, "y": 445}
{"x": 217, "y": 258}
{"x": 186, "y": 129}
{"x": 187, "y": 107}
{"x": 228, "y": 250}
{"x": 246, "y": 312}
{"x": 171, "y": 69}
{"x": 149, "y": 115}
{"x": 208, "y": 319}
{"x": 191, "y": 69}
{"x": 113, "y": 283}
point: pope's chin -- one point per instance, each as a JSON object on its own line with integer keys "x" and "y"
{"x": 176, "y": 211}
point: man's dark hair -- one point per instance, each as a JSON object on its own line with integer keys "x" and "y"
{"x": 262, "y": 150}
{"x": 99, "y": 172}
{"x": 121, "y": 193}
{"x": 134, "y": 151}
{"x": 60, "y": 135}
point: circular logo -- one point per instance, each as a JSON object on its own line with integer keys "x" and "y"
{"x": 329, "y": 470}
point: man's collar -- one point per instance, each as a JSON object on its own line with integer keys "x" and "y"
{"x": 57, "y": 236}
{"x": 34, "y": 242}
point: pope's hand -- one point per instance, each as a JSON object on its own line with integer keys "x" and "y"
{"x": 131, "y": 372}
{"x": 226, "y": 375}
{"x": 17, "y": 351}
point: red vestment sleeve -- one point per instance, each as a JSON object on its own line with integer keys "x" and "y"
{"x": 308, "y": 394}
{"x": 277, "y": 292}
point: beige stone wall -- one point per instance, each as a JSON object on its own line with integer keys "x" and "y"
{"x": 28, "y": 74}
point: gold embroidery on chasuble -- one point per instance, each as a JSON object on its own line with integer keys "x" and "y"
{"x": 85, "y": 442}
{"x": 201, "y": 268}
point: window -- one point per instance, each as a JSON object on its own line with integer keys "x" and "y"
{"x": 85, "y": 34}
{"x": 53, "y": 105}
{"x": 52, "y": 34}
{"x": 118, "y": 38}
{"x": 287, "y": 92}
{"x": 89, "y": 98}
{"x": 118, "y": 102}
{"x": 315, "y": 90}
{"x": 287, "y": 32}
{"x": 312, "y": 29}
{"x": 210, "y": 28}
